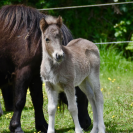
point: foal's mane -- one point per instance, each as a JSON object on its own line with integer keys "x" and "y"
{"x": 51, "y": 19}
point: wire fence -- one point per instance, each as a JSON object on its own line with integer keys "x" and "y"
{"x": 96, "y": 5}
{"x": 83, "y": 6}
{"x": 114, "y": 42}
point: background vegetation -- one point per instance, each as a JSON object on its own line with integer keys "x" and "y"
{"x": 98, "y": 24}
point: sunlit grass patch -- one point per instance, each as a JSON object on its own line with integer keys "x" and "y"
{"x": 116, "y": 78}
{"x": 118, "y": 107}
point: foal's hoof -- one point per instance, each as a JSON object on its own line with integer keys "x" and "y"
{"x": 94, "y": 130}
{"x": 79, "y": 131}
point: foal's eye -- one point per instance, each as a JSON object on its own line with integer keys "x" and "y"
{"x": 47, "y": 40}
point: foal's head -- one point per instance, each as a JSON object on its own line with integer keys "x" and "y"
{"x": 52, "y": 37}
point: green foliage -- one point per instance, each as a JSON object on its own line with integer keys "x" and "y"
{"x": 130, "y": 45}
{"x": 110, "y": 23}
{"x": 121, "y": 28}
{"x": 5, "y": 2}
{"x": 112, "y": 60}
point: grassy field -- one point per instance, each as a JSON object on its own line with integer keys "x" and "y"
{"x": 116, "y": 77}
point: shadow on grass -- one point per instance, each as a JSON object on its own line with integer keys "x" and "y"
{"x": 31, "y": 131}
{"x": 64, "y": 130}
{"x": 7, "y": 112}
{"x": 28, "y": 108}
{"x": 111, "y": 127}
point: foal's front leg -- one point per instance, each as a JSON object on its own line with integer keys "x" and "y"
{"x": 52, "y": 105}
{"x": 72, "y": 106}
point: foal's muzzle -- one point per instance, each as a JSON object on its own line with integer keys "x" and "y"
{"x": 60, "y": 56}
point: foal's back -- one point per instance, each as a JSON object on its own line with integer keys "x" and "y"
{"x": 85, "y": 57}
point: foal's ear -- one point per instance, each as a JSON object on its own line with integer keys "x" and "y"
{"x": 59, "y": 21}
{"x": 43, "y": 24}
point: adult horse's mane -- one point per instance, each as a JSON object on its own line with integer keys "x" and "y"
{"x": 17, "y": 19}
{"x": 13, "y": 18}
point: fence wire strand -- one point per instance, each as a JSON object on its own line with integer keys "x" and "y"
{"x": 114, "y": 42}
{"x": 96, "y": 5}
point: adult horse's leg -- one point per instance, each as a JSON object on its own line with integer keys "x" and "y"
{"x": 22, "y": 80}
{"x": 82, "y": 103}
{"x": 37, "y": 99}
{"x": 7, "y": 93}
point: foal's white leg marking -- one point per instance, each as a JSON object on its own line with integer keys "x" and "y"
{"x": 85, "y": 87}
{"x": 91, "y": 88}
{"x": 1, "y": 112}
{"x": 72, "y": 107}
{"x": 52, "y": 105}
{"x": 95, "y": 84}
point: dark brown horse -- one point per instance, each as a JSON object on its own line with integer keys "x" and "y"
{"x": 20, "y": 59}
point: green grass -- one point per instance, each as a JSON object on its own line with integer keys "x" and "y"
{"x": 116, "y": 77}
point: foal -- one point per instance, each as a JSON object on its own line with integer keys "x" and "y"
{"x": 64, "y": 67}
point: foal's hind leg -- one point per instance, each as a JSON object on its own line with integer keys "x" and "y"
{"x": 72, "y": 107}
{"x": 95, "y": 84}
{"x": 85, "y": 87}
{"x": 91, "y": 87}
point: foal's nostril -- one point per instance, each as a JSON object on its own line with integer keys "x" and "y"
{"x": 58, "y": 57}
